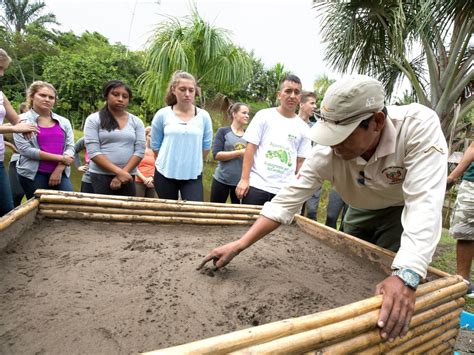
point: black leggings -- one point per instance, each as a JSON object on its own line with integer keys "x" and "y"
{"x": 220, "y": 192}
{"x": 101, "y": 185}
{"x": 257, "y": 197}
{"x": 191, "y": 190}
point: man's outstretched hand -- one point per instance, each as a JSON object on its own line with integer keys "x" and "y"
{"x": 397, "y": 307}
{"x": 222, "y": 255}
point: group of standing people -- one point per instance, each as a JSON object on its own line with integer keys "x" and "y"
{"x": 122, "y": 157}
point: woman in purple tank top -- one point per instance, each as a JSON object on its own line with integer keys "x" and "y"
{"x": 44, "y": 160}
{"x": 7, "y": 111}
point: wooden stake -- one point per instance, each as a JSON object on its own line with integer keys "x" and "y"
{"x": 430, "y": 344}
{"x": 18, "y": 213}
{"x": 125, "y": 211}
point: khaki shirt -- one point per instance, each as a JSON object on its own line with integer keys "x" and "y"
{"x": 408, "y": 168}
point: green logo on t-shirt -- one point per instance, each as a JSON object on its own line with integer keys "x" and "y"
{"x": 281, "y": 154}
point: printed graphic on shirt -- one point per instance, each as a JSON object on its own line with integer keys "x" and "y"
{"x": 292, "y": 137}
{"x": 278, "y": 159}
{"x": 394, "y": 174}
{"x": 239, "y": 145}
{"x": 280, "y": 154}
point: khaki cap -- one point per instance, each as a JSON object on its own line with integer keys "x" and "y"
{"x": 346, "y": 103}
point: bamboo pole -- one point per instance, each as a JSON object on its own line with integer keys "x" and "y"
{"x": 126, "y": 211}
{"x": 418, "y": 335}
{"x": 42, "y": 192}
{"x": 363, "y": 341}
{"x": 135, "y": 218}
{"x": 141, "y": 205}
{"x": 319, "y": 337}
{"x": 373, "y": 253}
{"x": 433, "y": 339}
{"x": 226, "y": 343}
{"x": 444, "y": 348}
{"x": 18, "y": 213}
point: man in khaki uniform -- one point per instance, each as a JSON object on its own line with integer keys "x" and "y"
{"x": 387, "y": 163}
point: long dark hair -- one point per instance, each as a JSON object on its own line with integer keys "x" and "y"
{"x": 107, "y": 120}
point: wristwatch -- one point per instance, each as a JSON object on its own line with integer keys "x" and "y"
{"x": 408, "y": 276}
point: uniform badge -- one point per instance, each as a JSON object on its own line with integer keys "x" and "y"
{"x": 394, "y": 174}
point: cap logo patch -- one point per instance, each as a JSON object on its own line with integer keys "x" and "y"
{"x": 370, "y": 102}
{"x": 394, "y": 174}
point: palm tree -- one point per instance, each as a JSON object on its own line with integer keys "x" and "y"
{"x": 425, "y": 41}
{"x": 21, "y": 13}
{"x": 197, "y": 47}
{"x": 320, "y": 87}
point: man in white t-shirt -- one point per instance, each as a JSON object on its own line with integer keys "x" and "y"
{"x": 277, "y": 145}
{"x": 387, "y": 163}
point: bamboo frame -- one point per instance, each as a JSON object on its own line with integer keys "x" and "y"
{"x": 433, "y": 343}
{"x": 92, "y": 209}
{"x": 271, "y": 333}
{"x": 317, "y": 338}
{"x": 18, "y": 213}
{"x": 42, "y": 192}
{"x": 368, "y": 250}
{"x": 372, "y": 343}
{"x": 426, "y": 334}
{"x": 136, "y": 218}
{"x": 350, "y": 328}
{"x": 137, "y": 205}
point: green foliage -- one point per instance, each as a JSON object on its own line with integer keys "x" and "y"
{"x": 18, "y": 14}
{"x": 81, "y": 69}
{"x": 320, "y": 86}
{"x": 380, "y": 38}
{"x": 195, "y": 46}
{"x": 28, "y": 50}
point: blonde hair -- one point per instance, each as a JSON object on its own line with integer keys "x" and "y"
{"x": 34, "y": 88}
{"x": 4, "y": 57}
{"x": 170, "y": 98}
{"x": 23, "y": 107}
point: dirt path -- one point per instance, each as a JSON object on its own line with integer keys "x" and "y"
{"x": 75, "y": 287}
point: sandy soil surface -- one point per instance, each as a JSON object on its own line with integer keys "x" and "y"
{"x": 77, "y": 287}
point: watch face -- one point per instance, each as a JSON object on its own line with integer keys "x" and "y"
{"x": 411, "y": 278}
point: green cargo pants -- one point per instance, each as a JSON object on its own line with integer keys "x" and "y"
{"x": 380, "y": 227}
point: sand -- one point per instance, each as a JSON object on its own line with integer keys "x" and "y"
{"x": 84, "y": 287}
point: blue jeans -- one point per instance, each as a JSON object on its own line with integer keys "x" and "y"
{"x": 6, "y": 201}
{"x": 312, "y": 205}
{"x": 41, "y": 181}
